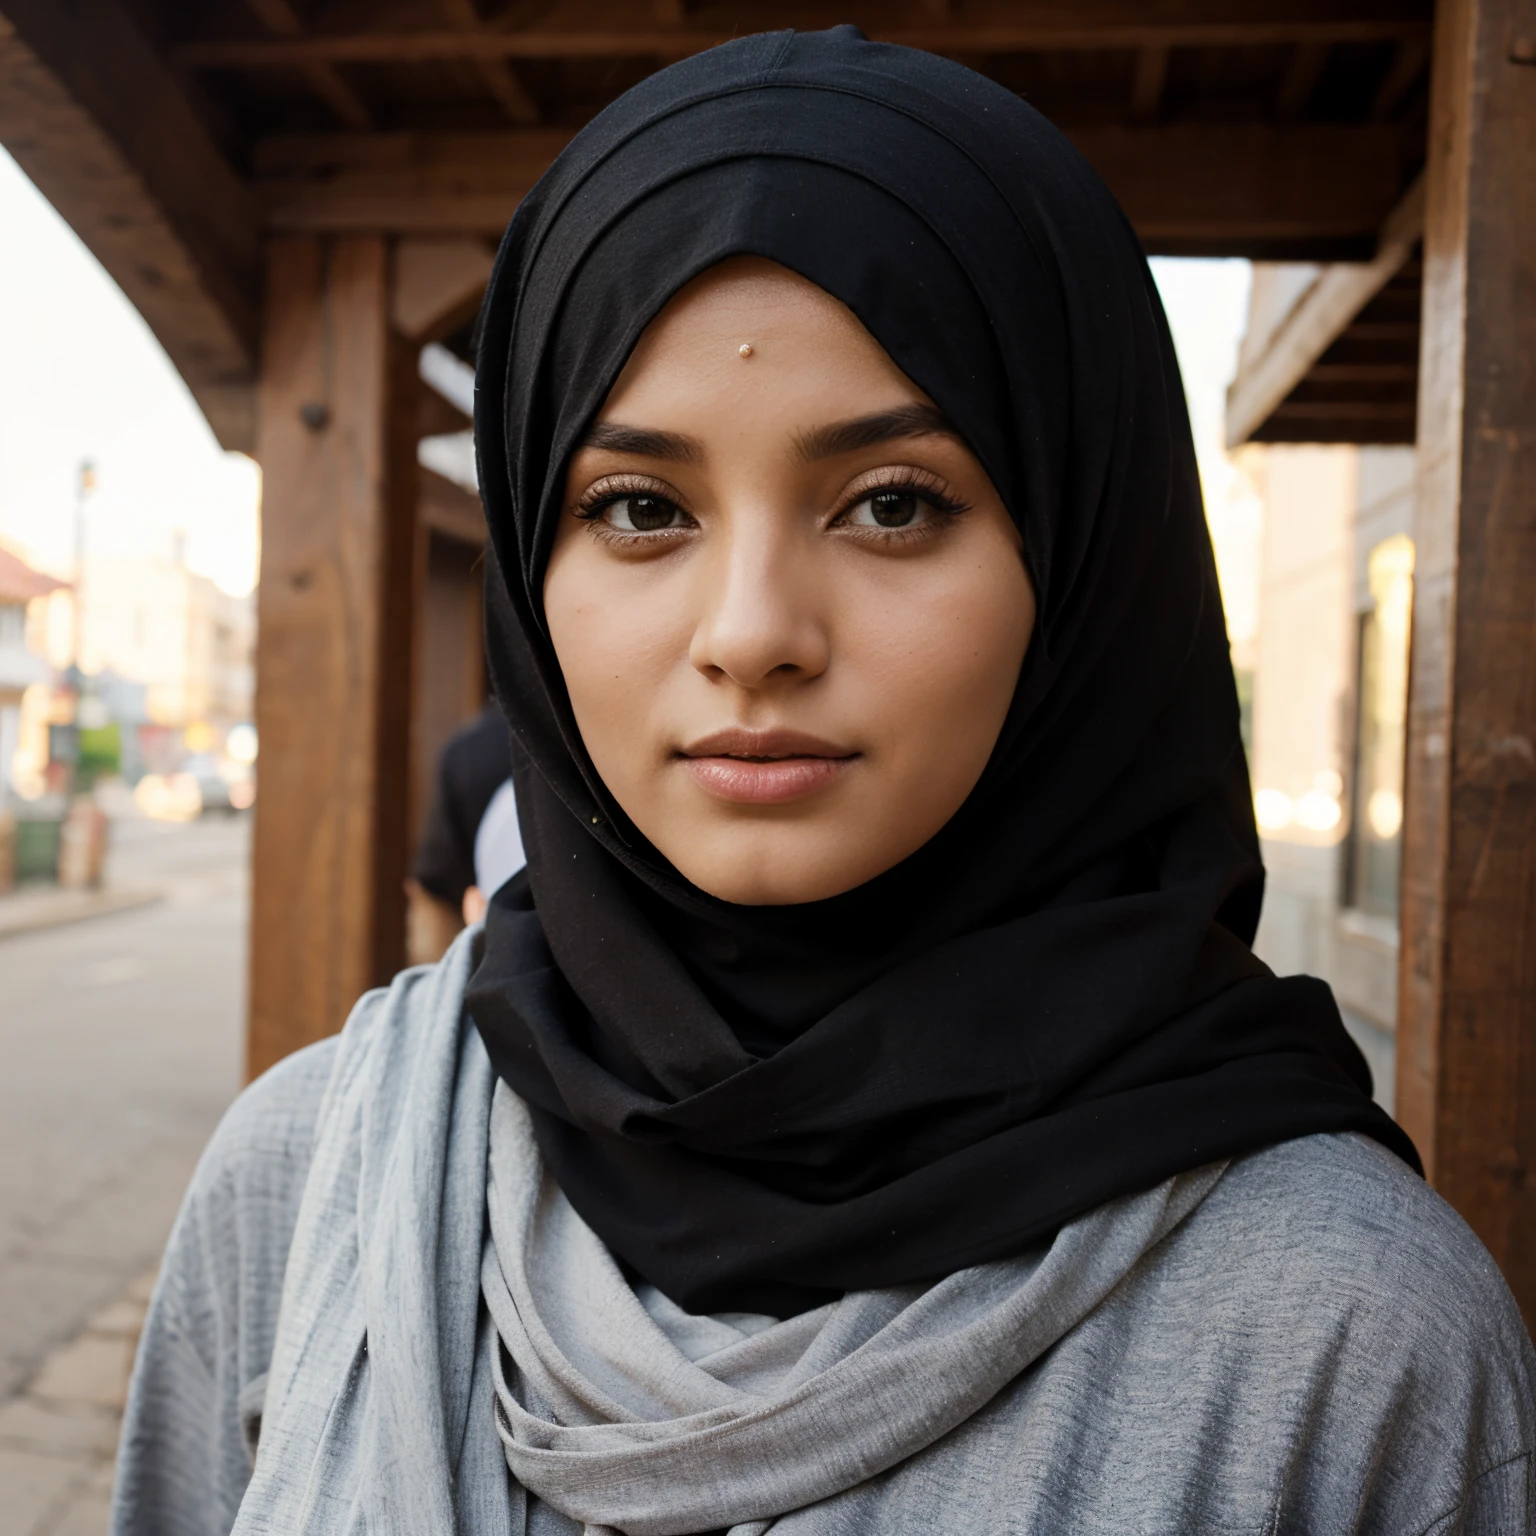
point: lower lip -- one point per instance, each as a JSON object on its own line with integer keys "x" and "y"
{"x": 745, "y": 783}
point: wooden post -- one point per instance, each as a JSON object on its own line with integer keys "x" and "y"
{"x": 1466, "y": 1077}
{"x": 333, "y": 653}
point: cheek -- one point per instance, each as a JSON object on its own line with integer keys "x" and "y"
{"x": 939, "y": 668}
{"x": 618, "y": 634}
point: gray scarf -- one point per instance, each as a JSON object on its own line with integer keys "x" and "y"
{"x": 390, "y": 1403}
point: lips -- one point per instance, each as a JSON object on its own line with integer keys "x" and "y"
{"x": 764, "y": 767}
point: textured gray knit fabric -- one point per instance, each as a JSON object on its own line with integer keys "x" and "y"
{"x": 1319, "y": 1345}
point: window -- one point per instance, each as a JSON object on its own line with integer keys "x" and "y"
{"x": 1381, "y": 713}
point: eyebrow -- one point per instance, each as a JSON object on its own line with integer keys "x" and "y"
{"x": 916, "y": 420}
{"x": 676, "y": 447}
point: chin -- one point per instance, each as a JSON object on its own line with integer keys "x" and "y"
{"x": 747, "y": 874}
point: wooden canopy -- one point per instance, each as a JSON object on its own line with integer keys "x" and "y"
{"x": 299, "y": 194}
{"x": 175, "y": 135}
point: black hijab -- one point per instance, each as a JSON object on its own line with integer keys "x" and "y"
{"x": 1054, "y": 1001}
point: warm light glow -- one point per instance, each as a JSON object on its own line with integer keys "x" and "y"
{"x": 1272, "y": 808}
{"x": 169, "y": 797}
{"x": 1385, "y": 813}
{"x": 240, "y": 744}
{"x": 1317, "y": 812}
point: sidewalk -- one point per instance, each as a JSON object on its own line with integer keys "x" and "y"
{"x": 58, "y": 1436}
{"x": 46, "y": 906}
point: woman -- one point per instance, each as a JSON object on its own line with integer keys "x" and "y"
{"x": 866, "y": 1115}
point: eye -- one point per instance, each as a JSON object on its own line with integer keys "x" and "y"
{"x": 641, "y": 512}
{"x": 898, "y": 507}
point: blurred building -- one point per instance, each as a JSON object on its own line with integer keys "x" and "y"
{"x": 151, "y": 621}
{"x": 22, "y": 664}
{"x": 1325, "y": 404}
{"x": 1329, "y": 694}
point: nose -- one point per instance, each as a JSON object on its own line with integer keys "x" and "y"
{"x": 761, "y": 621}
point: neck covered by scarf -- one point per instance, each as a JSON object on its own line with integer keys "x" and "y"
{"x": 628, "y": 1414}
{"x": 1054, "y": 1002}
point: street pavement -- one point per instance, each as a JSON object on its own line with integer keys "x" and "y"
{"x": 120, "y": 1046}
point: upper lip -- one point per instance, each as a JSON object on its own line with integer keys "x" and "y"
{"x": 779, "y": 742}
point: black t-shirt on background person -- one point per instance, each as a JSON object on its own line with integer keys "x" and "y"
{"x": 474, "y": 764}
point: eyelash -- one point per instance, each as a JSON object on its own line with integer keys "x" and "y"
{"x": 921, "y": 484}
{"x": 926, "y": 487}
{"x": 616, "y": 488}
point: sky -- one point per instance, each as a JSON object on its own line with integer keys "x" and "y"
{"x": 81, "y": 377}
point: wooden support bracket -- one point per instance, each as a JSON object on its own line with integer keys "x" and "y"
{"x": 1322, "y": 313}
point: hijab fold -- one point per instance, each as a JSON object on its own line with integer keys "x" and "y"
{"x": 1054, "y": 1002}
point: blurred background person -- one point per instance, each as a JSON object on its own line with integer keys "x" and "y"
{"x": 470, "y": 842}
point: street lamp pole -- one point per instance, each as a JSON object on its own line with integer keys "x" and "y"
{"x": 85, "y": 483}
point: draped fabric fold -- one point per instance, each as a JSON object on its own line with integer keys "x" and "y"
{"x": 607, "y": 1418}
{"x": 378, "y": 1405}
{"x": 446, "y": 1315}
{"x": 1054, "y": 1002}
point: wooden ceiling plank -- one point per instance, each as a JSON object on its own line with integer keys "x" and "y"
{"x": 1186, "y": 188}
{"x": 437, "y": 284}
{"x": 1070, "y": 29}
{"x": 101, "y": 125}
{"x": 348, "y": 106}
{"x": 1408, "y": 63}
{"x": 1147, "y": 87}
{"x": 1323, "y": 314}
{"x": 1300, "y": 79}
{"x": 509, "y": 91}
{"x": 497, "y": 75}
{"x": 1364, "y": 373}
{"x": 280, "y": 17}
{"x": 449, "y": 509}
{"x": 1248, "y": 188}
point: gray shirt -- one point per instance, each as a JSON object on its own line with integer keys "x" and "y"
{"x": 1321, "y": 1345}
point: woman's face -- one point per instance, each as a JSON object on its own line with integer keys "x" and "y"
{"x": 788, "y": 602}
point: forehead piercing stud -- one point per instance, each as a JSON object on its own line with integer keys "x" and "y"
{"x": 745, "y": 349}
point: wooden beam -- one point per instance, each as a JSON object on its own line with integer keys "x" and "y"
{"x": 438, "y": 285}
{"x": 331, "y": 441}
{"x": 399, "y": 634}
{"x": 450, "y": 510}
{"x": 1249, "y": 189}
{"x": 496, "y": 74}
{"x": 1408, "y": 60}
{"x": 1237, "y": 189}
{"x": 437, "y": 416}
{"x": 1466, "y": 1053}
{"x": 610, "y": 31}
{"x": 1147, "y": 86}
{"x": 450, "y": 652}
{"x": 1300, "y": 79}
{"x": 1323, "y": 312}
{"x": 1336, "y": 412}
{"x": 279, "y": 16}
{"x": 406, "y": 183}
{"x": 104, "y": 130}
